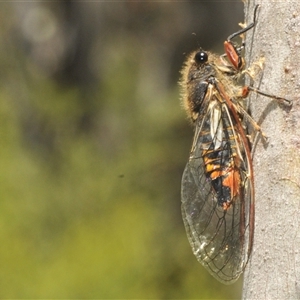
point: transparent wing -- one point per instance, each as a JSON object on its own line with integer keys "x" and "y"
{"x": 221, "y": 239}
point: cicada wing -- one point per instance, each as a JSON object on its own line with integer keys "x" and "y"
{"x": 217, "y": 237}
{"x": 221, "y": 239}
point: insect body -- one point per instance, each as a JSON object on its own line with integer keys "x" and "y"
{"x": 217, "y": 184}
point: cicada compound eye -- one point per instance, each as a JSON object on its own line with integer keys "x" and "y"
{"x": 201, "y": 57}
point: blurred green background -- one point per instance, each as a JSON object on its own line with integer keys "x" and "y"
{"x": 93, "y": 145}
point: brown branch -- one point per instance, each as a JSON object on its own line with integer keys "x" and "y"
{"x": 273, "y": 271}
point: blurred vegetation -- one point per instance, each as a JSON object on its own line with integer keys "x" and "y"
{"x": 93, "y": 145}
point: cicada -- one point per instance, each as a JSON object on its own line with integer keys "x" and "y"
{"x": 217, "y": 184}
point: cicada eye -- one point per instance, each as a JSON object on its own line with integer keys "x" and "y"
{"x": 201, "y": 57}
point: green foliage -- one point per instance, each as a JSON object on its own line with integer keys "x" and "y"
{"x": 90, "y": 184}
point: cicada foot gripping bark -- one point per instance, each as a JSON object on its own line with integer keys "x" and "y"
{"x": 217, "y": 185}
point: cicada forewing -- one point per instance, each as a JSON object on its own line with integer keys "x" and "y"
{"x": 217, "y": 193}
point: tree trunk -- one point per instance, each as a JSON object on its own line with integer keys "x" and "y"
{"x": 273, "y": 271}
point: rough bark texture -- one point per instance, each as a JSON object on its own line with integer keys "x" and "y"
{"x": 274, "y": 269}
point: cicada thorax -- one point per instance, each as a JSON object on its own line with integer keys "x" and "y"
{"x": 222, "y": 162}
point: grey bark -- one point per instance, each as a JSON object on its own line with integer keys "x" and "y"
{"x": 273, "y": 271}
